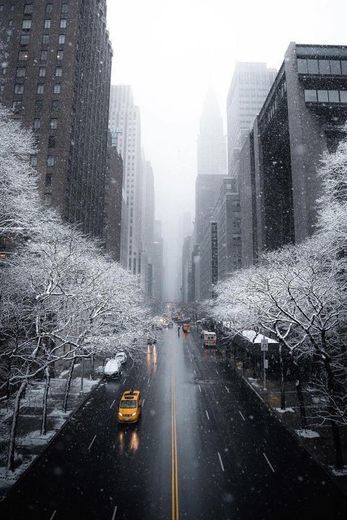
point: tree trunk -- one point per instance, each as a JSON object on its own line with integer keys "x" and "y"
{"x": 93, "y": 366}
{"x": 300, "y": 396}
{"x": 337, "y": 445}
{"x": 82, "y": 373}
{"x": 68, "y": 383}
{"x": 13, "y": 434}
{"x": 45, "y": 402}
{"x": 283, "y": 384}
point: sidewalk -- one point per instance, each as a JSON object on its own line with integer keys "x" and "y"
{"x": 29, "y": 441}
{"x": 316, "y": 439}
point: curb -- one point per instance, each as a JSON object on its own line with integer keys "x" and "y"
{"x": 3, "y": 496}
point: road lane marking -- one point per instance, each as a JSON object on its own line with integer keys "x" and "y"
{"x": 242, "y": 415}
{"x": 194, "y": 371}
{"x": 148, "y": 380}
{"x": 124, "y": 380}
{"x": 269, "y": 463}
{"x": 174, "y": 457}
{"x": 53, "y": 514}
{"x": 114, "y": 513}
{"x": 91, "y": 444}
{"x": 208, "y": 417}
{"x": 217, "y": 372}
{"x": 227, "y": 389}
{"x": 199, "y": 388}
{"x": 143, "y": 403}
{"x": 220, "y": 461}
{"x": 112, "y": 403}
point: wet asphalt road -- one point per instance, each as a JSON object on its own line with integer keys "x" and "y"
{"x": 202, "y": 450}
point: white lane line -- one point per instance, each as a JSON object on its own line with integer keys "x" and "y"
{"x": 194, "y": 371}
{"x": 227, "y": 389}
{"x": 217, "y": 372}
{"x": 53, "y": 514}
{"x": 208, "y": 417}
{"x": 148, "y": 380}
{"x": 124, "y": 380}
{"x": 242, "y": 415}
{"x": 112, "y": 403}
{"x": 114, "y": 513}
{"x": 91, "y": 444}
{"x": 220, "y": 461}
{"x": 143, "y": 402}
{"x": 199, "y": 388}
{"x": 269, "y": 463}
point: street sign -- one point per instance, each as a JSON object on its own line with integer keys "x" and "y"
{"x": 264, "y": 344}
{"x": 266, "y": 363}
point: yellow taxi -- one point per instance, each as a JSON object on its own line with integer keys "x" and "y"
{"x": 129, "y": 409}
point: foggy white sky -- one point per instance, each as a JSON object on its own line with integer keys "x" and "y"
{"x": 169, "y": 50}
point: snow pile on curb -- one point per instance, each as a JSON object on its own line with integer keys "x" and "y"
{"x": 307, "y": 434}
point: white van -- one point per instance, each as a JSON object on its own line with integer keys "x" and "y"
{"x": 209, "y": 339}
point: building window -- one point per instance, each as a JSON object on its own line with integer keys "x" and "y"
{"x": 49, "y": 8}
{"x": 37, "y": 123}
{"x": 312, "y": 66}
{"x": 47, "y": 24}
{"x": 51, "y": 141}
{"x": 302, "y": 66}
{"x": 18, "y": 89}
{"x": 48, "y": 179}
{"x": 26, "y": 24}
{"x": 33, "y": 160}
{"x": 48, "y": 199}
{"x": 64, "y": 8}
{"x": 58, "y": 72}
{"x": 40, "y": 88}
{"x": 57, "y": 88}
{"x": 343, "y": 96}
{"x": 324, "y": 67}
{"x": 23, "y": 55}
{"x": 63, "y": 23}
{"x": 60, "y": 55}
{"x": 45, "y": 39}
{"x": 53, "y": 124}
{"x": 322, "y": 96}
{"x": 24, "y": 39}
{"x": 43, "y": 55}
{"x": 344, "y": 67}
{"x": 333, "y": 96}
{"x": 311, "y": 96}
{"x": 1, "y": 8}
{"x": 335, "y": 67}
{"x": 28, "y": 8}
{"x": 61, "y": 39}
{"x": 20, "y": 72}
{"x": 17, "y": 107}
{"x": 55, "y": 105}
{"x": 38, "y": 105}
{"x": 50, "y": 160}
{"x": 42, "y": 72}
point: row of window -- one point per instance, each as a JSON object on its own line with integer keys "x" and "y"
{"x": 21, "y": 72}
{"x": 17, "y": 105}
{"x": 25, "y": 39}
{"x": 19, "y": 88}
{"x": 325, "y": 96}
{"x": 24, "y": 55}
{"x": 323, "y": 67}
{"x": 50, "y": 160}
{"x": 29, "y": 8}
{"x": 47, "y": 24}
{"x": 53, "y": 124}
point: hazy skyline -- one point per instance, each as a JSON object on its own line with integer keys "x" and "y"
{"x": 171, "y": 50}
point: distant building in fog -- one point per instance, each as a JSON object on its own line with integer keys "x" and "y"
{"x": 302, "y": 117}
{"x": 249, "y": 87}
{"x": 211, "y": 140}
{"x": 125, "y": 127}
{"x": 113, "y": 202}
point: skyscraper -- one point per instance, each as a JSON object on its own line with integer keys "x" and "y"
{"x": 56, "y": 68}
{"x": 249, "y": 87}
{"x": 211, "y": 140}
{"x": 125, "y": 126}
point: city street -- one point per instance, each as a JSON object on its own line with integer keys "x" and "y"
{"x": 202, "y": 450}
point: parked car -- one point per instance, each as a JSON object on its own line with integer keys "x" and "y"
{"x": 112, "y": 368}
{"x": 121, "y": 356}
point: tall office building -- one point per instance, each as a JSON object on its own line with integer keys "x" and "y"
{"x": 125, "y": 126}
{"x": 148, "y": 210}
{"x": 211, "y": 140}
{"x": 55, "y": 74}
{"x": 303, "y": 116}
{"x": 113, "y": 202}
{"x": 249, "y": 87}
